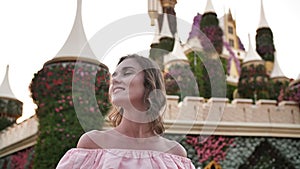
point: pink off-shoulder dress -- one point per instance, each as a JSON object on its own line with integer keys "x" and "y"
{"x": 122, "y": 159}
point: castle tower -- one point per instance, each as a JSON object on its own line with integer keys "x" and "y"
{"x": 168, "y": 7}
{"x": 278, "y": 80}
{"x": 229, "y": 30}
{"x": 233, "y": 49}
{"x": 179, "y": 79}
{"x": 71, "y": 92}
{"x": 253, "y": 79}
{"x": 177, "y": 56}
{"x": 208, "y": 24}
{"x": 193, "y": 42}
{"x": 264, "y": 41}
{"x": 10, "y": 106}
{"x": 163, "y": 41}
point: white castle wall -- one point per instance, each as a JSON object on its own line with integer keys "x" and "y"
{"x": 239, "y": 110}
{"x": 194, "y": 115}
{"x": 18, "y": 136}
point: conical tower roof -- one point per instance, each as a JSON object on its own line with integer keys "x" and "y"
{"x": 5, "y": 90}
{"x": 165, "y": 29}
{"x": 251, "y": 55}
{"x": 263, "y": 22}
{"x": 76, "y": 45}
{"x": 276, "y": 72}
{"x": 156, "y": 33}
{"x": 229, "y": 15}
{"x": 209, "y": 7}
{"x": 177, "y": 54}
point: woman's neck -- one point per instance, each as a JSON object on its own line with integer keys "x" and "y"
{"x": 134, "y": 129}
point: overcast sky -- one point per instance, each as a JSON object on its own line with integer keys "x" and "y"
{"x": 33, "y": 31}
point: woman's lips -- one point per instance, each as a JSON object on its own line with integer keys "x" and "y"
{"x": 118, "y": 89}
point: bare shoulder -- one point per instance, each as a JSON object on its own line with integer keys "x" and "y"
{"x": 89, "y": 140}
{"x": 175, "y": 148}
{"x": 178, "y": 149}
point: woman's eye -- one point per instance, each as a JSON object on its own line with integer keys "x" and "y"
{"x": 127, "y": 73}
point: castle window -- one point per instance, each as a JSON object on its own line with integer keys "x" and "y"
{"x": 231, "y": 42}
{"x": 230, "y": 29}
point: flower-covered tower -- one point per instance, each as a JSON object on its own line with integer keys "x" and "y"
{"x": 178, "y": 76}
{"x": 264, "y": 41}
{"x": 204, "y": 48}
{"x": 253, "y": 81}
{"x": 10, "y": 106}
{"x": 71, "y": 93}
{"x": 209, "y": 25}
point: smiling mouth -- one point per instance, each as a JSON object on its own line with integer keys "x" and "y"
{"x": 118, "y": 89}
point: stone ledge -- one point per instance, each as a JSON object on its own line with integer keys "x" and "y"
{"x": 19, "y": 136}
{"x": 228, "y": 128}
{"x": 233, "y": 129}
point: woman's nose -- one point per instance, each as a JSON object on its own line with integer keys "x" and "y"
{"x": 115, "y": 79}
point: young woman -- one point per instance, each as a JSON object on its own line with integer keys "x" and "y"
{"x": 137, "y": 92}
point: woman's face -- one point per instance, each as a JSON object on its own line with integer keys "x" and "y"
{"x": 127, "y": 85}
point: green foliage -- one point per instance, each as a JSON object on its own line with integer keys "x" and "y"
{"x": 224, "y": 62}
{"x": 292, "y": 93}
{"x": 209, "y": 75}
{"x": 209, "y": 19}
{"x": 10, "y": 110}
{"x": 209, "y": 25}
{"x": 230, "y": 91}
{"x": 58, "y": 132}
{"x": 180, "y": 81}
{"x": 4, "y": 122}
{"x": 275, "y": 87}
{"x": 253, "y": 82}
{"x": 159, "y": 50}
{"x": 267, "y": 156}
{"x": 72, "y": 97}
{"x": 264, "y": 44}
{"x": 10, "y": 107}
{"x": 198, "y": 69}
